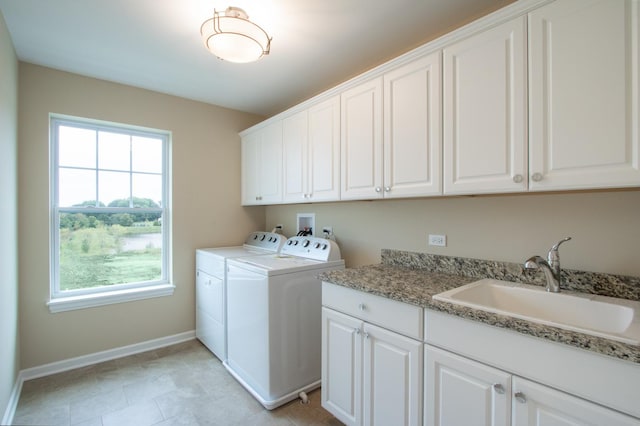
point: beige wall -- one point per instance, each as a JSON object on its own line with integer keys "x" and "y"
{"x": 9, "y": 340}
{"x": 605, "y": 227}
{"x": 206, "y": 208}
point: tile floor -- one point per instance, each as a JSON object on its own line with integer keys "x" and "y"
{"x": 182, "y": 384}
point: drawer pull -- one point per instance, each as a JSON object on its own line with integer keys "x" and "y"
{"x": 498, "y": 388}
{"x": 362, "y": 306}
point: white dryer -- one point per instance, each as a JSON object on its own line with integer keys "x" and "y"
{"x": 274, "y": 310}
{"x": 211, "y": 287}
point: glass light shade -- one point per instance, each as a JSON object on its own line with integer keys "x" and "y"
{"x": 232, "y": 37}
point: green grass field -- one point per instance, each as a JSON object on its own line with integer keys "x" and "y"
{"x": 93, "y": 257}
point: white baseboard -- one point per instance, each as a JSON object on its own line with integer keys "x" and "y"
{"x": 7, "y": 419}
{"x": 95, "y": 358}
{"x": 85, "y": 360}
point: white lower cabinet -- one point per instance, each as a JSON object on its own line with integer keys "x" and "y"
{"x": 461, "y": 391}
{"x": 537, "y": 405}
{"x": 370, "y": 374}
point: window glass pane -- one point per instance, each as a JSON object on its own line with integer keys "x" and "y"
{"x": 114, "y": 151}
{"x": 76, "y": 187}
{"x": 76, "y": 147}
{"x": 146, "y": 154}
{"x": 108, "y": 249}
{"x": 114, "y": 188}
{"x": 147, "y": 190}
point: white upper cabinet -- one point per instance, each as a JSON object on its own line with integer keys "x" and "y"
{"x": 324, "y": 151}
{"x": 295, "y": 157}
{"x": 584, "y": 95}
{"x": 311, "y": 153}
{"x": 412, "y": 129}
{"x": 361, "y": 141}
{"x": 540, "y": 96}
{"x": 485, "y": 106}
{"x": 262, "y": 165}
{"x": 404, "y": 161}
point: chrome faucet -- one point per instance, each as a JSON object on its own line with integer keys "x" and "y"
{"x": 550, "y": 267}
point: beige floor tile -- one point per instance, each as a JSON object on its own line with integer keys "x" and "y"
{"x": 96, "y": 406}
{"x": 48, "y": 415}
{"x": 182, "y": 384}
{"x": 142, "y": 414}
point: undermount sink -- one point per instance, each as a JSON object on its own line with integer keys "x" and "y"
{"x": 612, "y": 318}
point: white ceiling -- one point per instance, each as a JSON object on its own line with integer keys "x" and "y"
{"x": 156, "y": 44}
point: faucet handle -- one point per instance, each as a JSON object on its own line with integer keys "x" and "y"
{"x": 556, "y": 245}
{"x": 553, "y": 257}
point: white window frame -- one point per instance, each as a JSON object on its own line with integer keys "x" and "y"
{"x": 97, "y": 296}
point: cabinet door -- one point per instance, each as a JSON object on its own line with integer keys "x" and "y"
{"x": 392, "y": 378}
{"x": 271, "y": 164}
{"x": 342, "y": 366}
{"x": 459, "y": 391}
{"x": 324, "y": 151}
{"x": 584, "y": 95}
{"x": 294, "y": 157}
{"x": 250, "y": 171}
{"x": 485, "y": 99}
{"x": 412, "y": 123}
{"x": 538, "y": 405}
{"x": 262, "y": 165}
{"x": 361, "y": 141}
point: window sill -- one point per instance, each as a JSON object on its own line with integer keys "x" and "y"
{"x": 92, "y": 300}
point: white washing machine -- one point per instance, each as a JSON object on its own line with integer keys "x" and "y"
{"x": 211, "y": 291}
{"x": 274, "y": 324}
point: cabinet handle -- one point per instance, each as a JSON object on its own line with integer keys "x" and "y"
{"x": 518, "y": 178}
{"x": 498, "y": 388}
{"x": 356, "y": 330}
{"x": 536, "y": 177}
{"x": 366, "y": 335}
{"x": 520, "y": 397}
{"x": 198, "y": 274}
{"x": 362, "y": 306}
{"x": 387, "y": 189}
{"x": 378, "y": 189}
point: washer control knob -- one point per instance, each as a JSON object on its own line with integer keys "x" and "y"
{"x": 316, "y": 245}
{"x": 306, "y": 243}
{"x": 324, "y": 246}
{"x": 263, "y": 237}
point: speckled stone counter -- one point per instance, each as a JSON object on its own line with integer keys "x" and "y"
{"x": 415, "y": 277}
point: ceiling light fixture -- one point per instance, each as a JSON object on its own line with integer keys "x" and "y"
{"x": 231, "y": 36}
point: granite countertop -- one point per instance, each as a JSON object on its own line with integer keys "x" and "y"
{"x": 415, "y": 277}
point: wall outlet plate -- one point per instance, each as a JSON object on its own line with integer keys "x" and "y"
{"x": 437, "y": 240}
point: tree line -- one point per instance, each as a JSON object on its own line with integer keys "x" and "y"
{"x": 93, "y": 220}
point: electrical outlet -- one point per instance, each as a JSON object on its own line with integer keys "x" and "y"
{"x": 437, "y": 240}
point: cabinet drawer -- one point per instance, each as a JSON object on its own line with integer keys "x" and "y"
{"x": 396, "y": 316}
{"x": 210, "y": 264}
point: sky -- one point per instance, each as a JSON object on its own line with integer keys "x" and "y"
{"x": 96, "y": 164}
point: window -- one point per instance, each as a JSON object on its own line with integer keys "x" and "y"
{"x": 109, "y": 213}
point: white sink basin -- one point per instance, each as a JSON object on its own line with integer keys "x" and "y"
{"x": 602, "y": 316}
